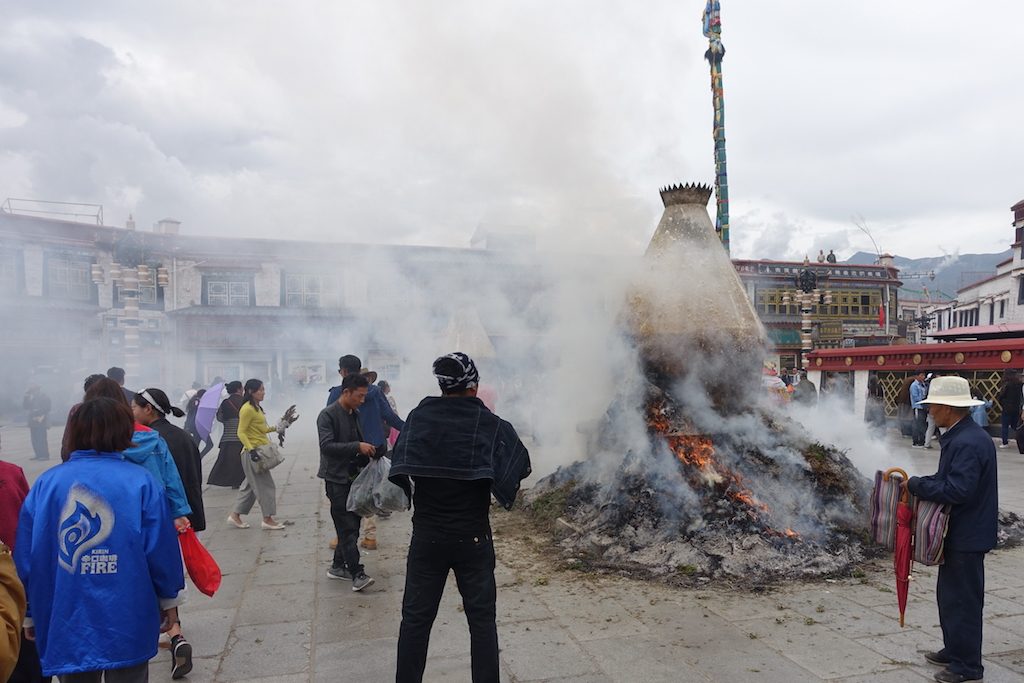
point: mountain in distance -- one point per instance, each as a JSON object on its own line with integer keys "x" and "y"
{"x": 952, "y": 272}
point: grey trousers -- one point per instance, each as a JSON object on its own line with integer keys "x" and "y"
{"x": 133, "y": 674}
{"x": 257, "y": 487}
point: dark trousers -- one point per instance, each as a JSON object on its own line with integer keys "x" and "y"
{"x": 39, "y": 445}
{"x": 28, "y": 669}
{"x": 960, "y": 592}
{"x": 1008, "y": 422}
{"x": 199, "y": 440}
{"x": 132, "y": 674}
{"x": 920, "y": 423}
{"x": 427, "y": 569}
{"x": 346, "y": 526}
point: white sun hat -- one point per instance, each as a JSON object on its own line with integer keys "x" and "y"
{"x": 951, "y": 391}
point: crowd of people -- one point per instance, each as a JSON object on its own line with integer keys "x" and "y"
{"x": 97, "y": 534}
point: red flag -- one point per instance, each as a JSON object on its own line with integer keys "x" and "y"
{"x": 881, "y": 315}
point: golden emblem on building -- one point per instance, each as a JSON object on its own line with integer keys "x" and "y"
{"x": 959, "y": 357}
{"x": 1005, "y": 356}
{"x": 916, "y": 359}
{"x": 880, "y": 360}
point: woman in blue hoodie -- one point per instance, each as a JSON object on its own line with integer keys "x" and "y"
{"x": 95, "y": 537}
{"x": 149, "y": 450}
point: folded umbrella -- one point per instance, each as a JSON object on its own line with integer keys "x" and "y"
{"x": 903, "y": 549}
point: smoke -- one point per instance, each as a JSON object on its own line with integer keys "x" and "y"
{"x": 832, "y": 421}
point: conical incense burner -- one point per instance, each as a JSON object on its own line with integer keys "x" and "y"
{"x": 689, "y": 301}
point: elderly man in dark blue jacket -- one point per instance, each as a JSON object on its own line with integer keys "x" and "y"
{"x": 965, "y": 481}
{"x": 457, "y": 453}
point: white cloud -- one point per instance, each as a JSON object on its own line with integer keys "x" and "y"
{"x": 408, "y": 123}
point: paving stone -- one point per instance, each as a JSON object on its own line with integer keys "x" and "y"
{"x": 837, "y": 613}
{"x": 641, "y": 659}
{"x": 273, "y": 571}
{"x": 813, "y": 646}
{"x": 1013, "y": 661}
{"x": 207, "y": 630}
{"x": 270, "y": 604}
{"x": 356, "y": 660}
{"x": 541, "y": 650}
{"x": 267, "y": 650}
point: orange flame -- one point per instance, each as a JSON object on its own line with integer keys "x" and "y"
{"x": 698, "y": 452}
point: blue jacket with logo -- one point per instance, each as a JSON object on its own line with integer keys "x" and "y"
{"x": 96, "y": 551}
{"x": 966, "y": 481}
{"x": 150, "y": 450}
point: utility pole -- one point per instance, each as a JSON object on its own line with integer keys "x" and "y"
{"x": 712, "y": 21}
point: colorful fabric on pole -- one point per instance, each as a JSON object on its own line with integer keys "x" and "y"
{"x": 712, "y": 22}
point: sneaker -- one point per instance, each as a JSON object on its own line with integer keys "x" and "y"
{"x": 339, "y": 573}
{"x": 361, "y": 581}
{"x": 181, "y": 657}
{"x": 929, "y": 446}
{"x": 368, "y": 543}
{"x": 947, "y": 676}
{"x": 917, "y": 446}
{"x": 939, "y": 658}
{"x": 1004, "y": 445}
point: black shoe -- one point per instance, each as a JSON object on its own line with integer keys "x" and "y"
{"x": 939, "y": 658}
{"x": 181, "y": 657}
{"x": 361, "y": 581}
{"x": 947, "y": 676}
{"x": 339, "y": 573}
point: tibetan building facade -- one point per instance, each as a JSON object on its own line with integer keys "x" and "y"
{"x": 863, "y": 308}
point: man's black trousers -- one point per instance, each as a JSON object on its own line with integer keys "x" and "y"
{"x": 920, "y": 425}
{"x": 427, "y": 569}
{"x": 346, "y": 526}
{"x": 960, "y": 592}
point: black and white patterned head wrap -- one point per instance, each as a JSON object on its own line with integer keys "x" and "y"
{"x": 467, "y": 376}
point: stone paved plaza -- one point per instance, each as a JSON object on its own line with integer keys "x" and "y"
{"x": 277, "y": 617}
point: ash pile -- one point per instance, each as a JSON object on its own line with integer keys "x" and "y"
{"x": 688, "y": 473}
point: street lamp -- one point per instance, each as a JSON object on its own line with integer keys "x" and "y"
{"x": 807, "y": 294}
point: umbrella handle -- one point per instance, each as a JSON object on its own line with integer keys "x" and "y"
{"x": 904, "y": 491}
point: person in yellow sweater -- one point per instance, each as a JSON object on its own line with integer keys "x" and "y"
{"x": 258, "y": 486}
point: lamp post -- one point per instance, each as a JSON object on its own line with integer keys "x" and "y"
{"x": 806, "y": 295}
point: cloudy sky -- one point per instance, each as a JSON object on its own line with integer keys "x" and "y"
{"x": 415, "y": 123}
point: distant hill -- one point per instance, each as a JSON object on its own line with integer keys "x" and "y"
{"x": 951, "y": 272}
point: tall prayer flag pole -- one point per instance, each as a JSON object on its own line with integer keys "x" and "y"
{"x": 712, "y": 21}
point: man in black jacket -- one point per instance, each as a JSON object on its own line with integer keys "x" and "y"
{"x": 459, "y": 453}
{"x": 966, "y": 481}
{"x": 343, "y": 453}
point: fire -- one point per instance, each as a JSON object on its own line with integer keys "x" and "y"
{"x": 697, "y": 452}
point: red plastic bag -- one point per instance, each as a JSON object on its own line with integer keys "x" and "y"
{"x": 199, "y": 563}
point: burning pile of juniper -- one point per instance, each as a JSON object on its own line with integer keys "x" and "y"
{"x": 710, "y": 504}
